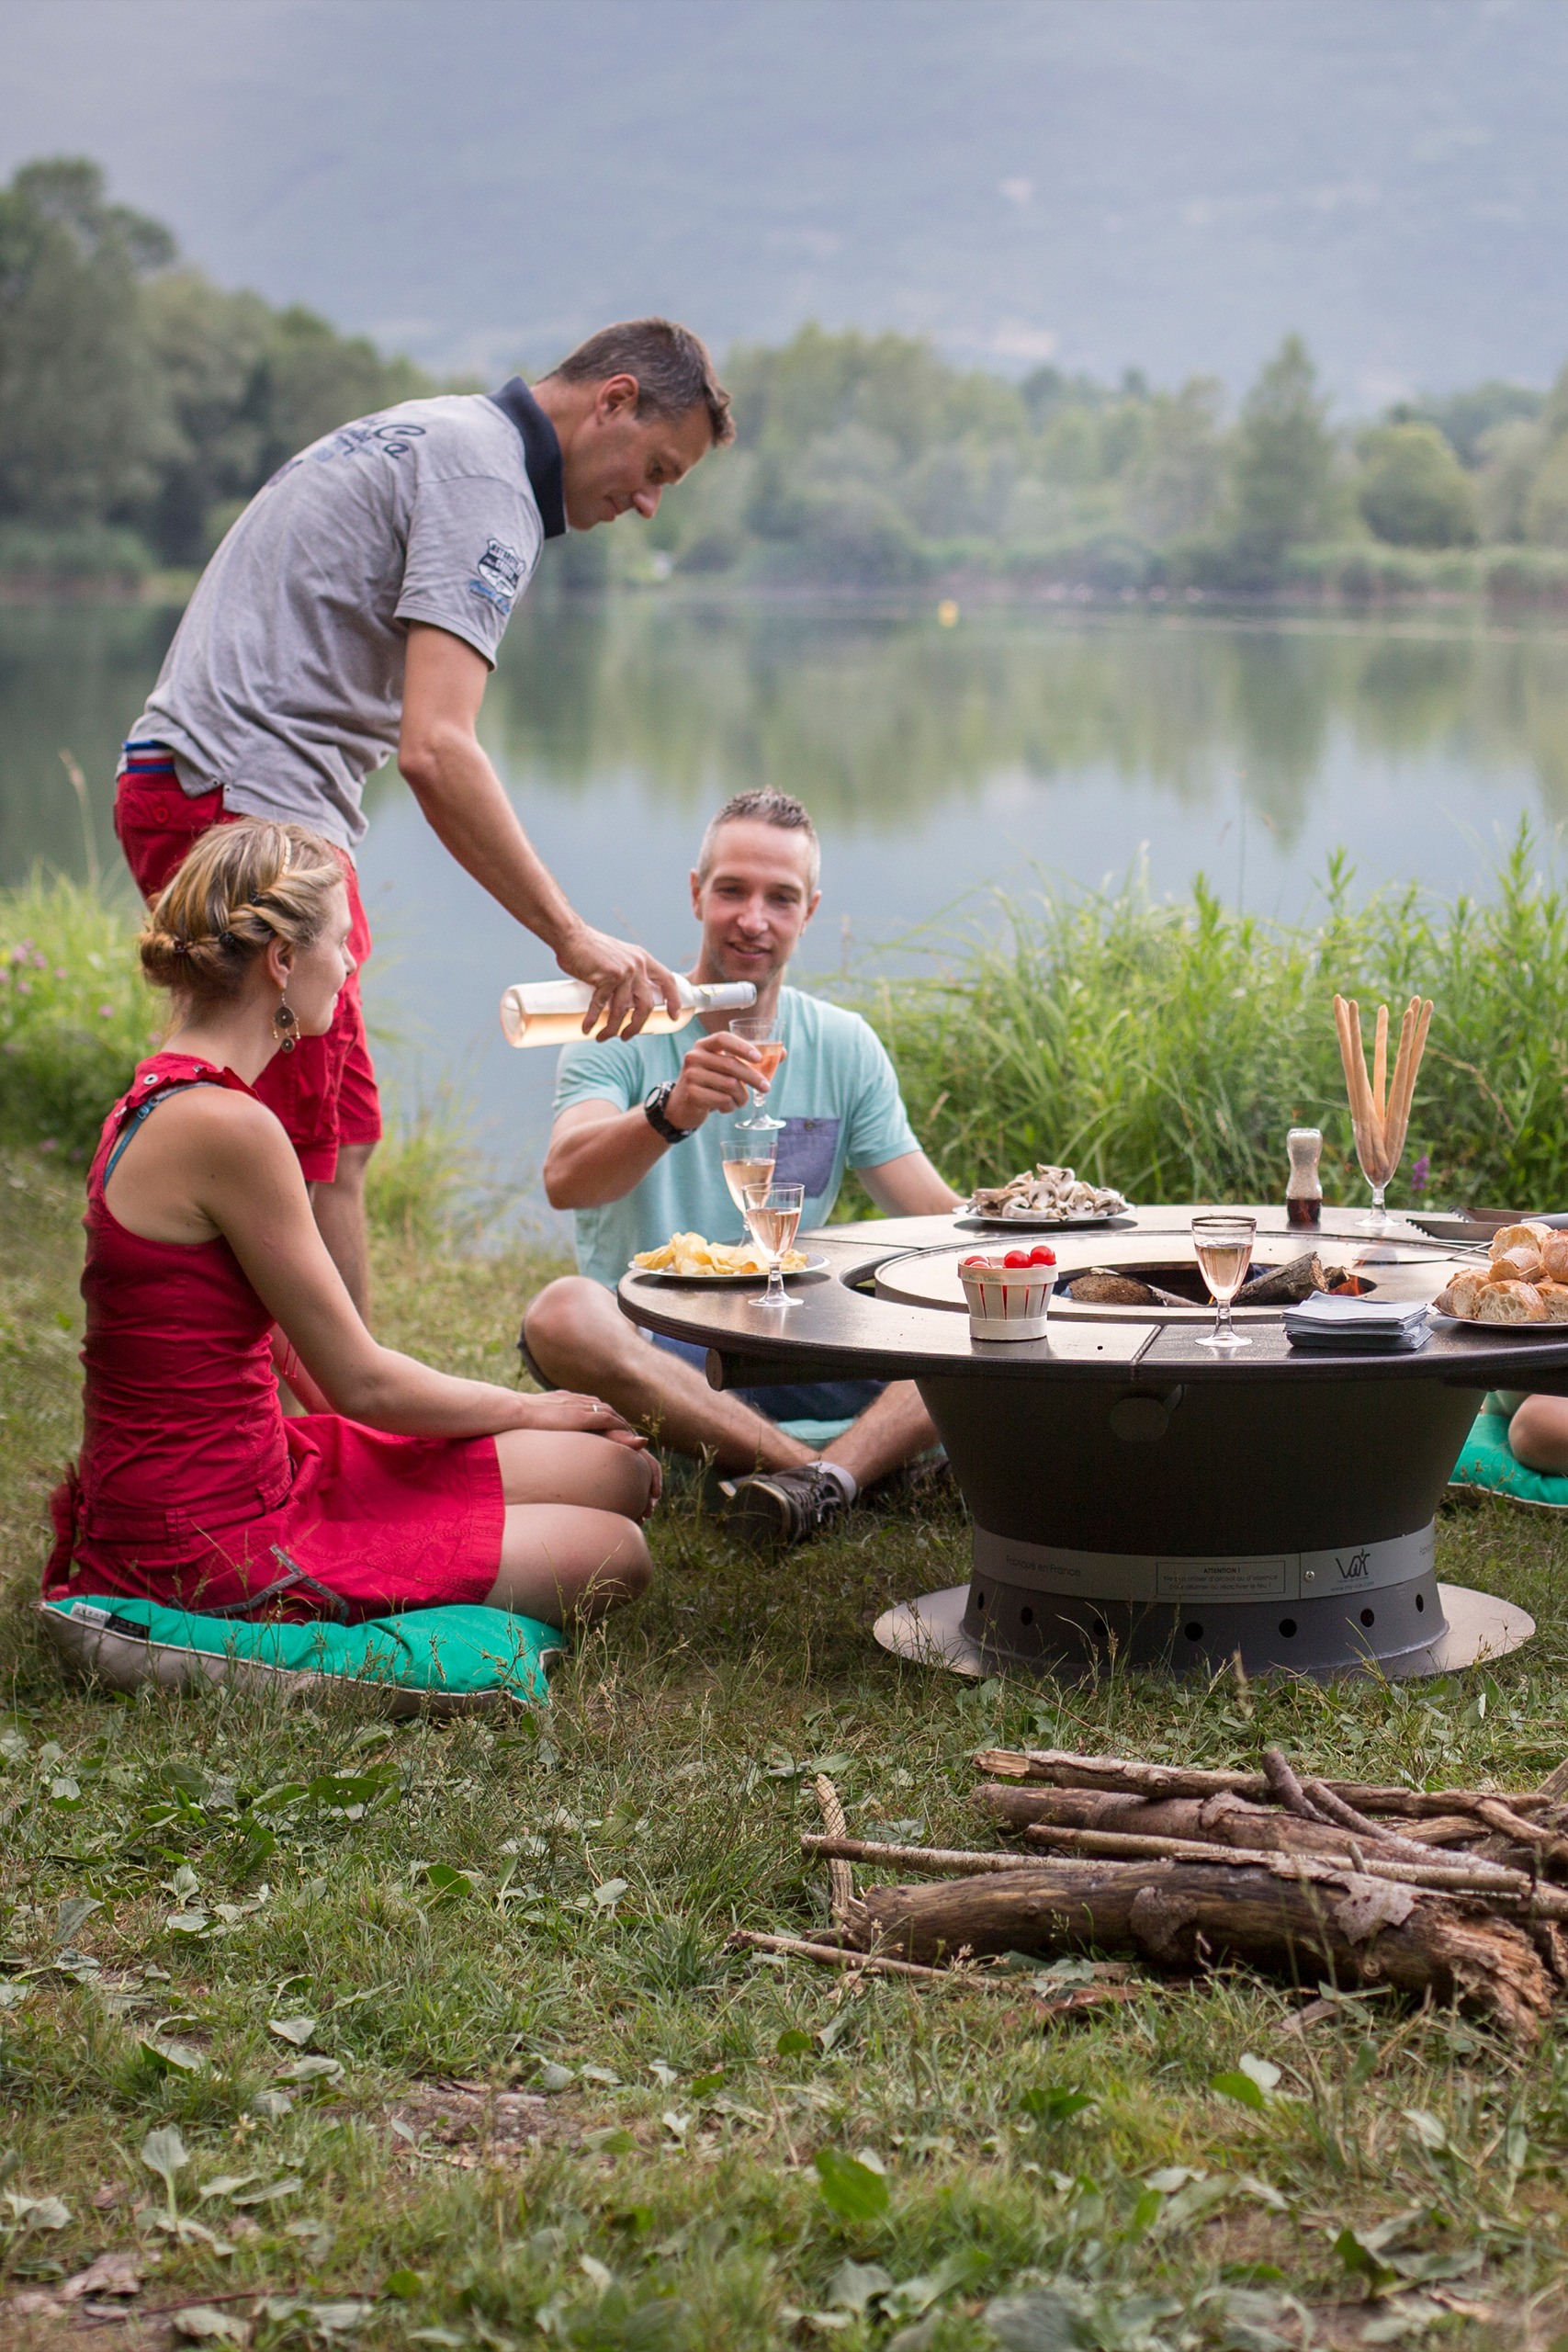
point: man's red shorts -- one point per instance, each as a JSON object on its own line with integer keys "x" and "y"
{"x": 325, "y": 1091}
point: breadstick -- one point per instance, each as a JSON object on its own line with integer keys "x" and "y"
{"x": 1348, "y": 1062}
{"x": 1393, "y": 1132}
{"x": 1420, "y": 1024}
{"x": 1369, "y": 1111}
{"x": 1379, "y": 1065}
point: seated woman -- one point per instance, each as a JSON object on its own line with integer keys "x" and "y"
{"x": 410, "y": 1488}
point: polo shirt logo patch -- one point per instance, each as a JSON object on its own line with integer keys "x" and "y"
{"x": 372, "y": 433}
{"x": 808, "y": 1148}
{"x": 500, "y": 574}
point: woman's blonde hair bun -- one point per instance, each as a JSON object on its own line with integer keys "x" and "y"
{"x": 242, "y": 886}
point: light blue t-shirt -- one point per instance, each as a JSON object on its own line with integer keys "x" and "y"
{"x": 835, "y": 1091}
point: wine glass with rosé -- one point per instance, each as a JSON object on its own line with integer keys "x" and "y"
{"x": 764, "y": 1034}
{"x": 1223, "y": 1245}
{"x": 772, "y": 1218}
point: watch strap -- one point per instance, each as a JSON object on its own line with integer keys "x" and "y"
{"x": 653, "y": 1111}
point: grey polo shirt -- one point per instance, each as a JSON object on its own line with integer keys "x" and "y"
{"x": 284, "y": 684}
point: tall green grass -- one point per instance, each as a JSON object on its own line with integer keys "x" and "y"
{"x": 1166, "y": 1047}
{"x": 76, "y": 1017}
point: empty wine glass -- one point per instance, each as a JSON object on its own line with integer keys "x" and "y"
{"x": 1223, "y": 1247}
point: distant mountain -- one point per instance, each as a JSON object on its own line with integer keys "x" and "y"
{"x": 1169, "y": 183}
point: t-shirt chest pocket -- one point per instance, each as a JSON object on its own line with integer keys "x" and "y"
{"x": 806, "y": 1151}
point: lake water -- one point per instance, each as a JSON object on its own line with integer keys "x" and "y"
{"x": 936, "y": 762}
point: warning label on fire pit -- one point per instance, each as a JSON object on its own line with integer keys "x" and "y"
{"x": 1222, "y": 1579}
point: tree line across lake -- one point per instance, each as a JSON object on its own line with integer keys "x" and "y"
{"x": 141, "y": 406}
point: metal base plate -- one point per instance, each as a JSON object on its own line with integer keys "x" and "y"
{"x": 931, "y": 1631}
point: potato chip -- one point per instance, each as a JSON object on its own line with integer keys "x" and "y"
{"x": 693, "y": 1254}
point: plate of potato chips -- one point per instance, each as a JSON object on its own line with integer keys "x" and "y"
{"x": 691, "y": 1258}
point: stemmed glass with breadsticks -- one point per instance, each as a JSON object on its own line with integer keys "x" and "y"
{"x": 1379, "y": 1114}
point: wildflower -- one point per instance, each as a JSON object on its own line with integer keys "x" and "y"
{"x": 60, "y": 973}
{"x": 24, "y": 987}
{"x": 105, "y": 1013}
{"x": 1420, "y": 1172}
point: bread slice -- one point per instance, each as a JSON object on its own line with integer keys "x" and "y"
{"x": 1508, "y": 1302}
{"x": 1522, "y": 1263}
{"x": 1553, "y": 1296}
{"x": 1555, "y": 1257}
{"x": 1465, "y": 1289}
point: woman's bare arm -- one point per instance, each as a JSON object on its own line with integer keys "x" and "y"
{"x": 209, "y": 1164}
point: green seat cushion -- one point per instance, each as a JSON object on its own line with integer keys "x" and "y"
{"x": 441, "y": 1661}
{"x": 1489, "y": 1466}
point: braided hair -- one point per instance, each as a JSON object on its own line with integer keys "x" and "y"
{"x": 242, "y": 886}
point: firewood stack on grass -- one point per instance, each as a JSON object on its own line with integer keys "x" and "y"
{"x": 1452, "y": 1895}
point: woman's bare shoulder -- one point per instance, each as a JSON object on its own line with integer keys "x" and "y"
{"x": 222, "y": 1119}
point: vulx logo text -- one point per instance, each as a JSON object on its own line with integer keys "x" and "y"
{"x": 1357, "y": 1565}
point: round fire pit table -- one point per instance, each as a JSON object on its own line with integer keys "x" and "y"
{"x": 1133, "y": 1492}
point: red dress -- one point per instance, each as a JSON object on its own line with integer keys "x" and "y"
{"x": 193, "y": 1488}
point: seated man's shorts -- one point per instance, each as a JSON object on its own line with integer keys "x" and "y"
{"x": 325, "y": 1091}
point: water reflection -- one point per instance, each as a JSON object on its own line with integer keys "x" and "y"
{"x": 877, "y": 722}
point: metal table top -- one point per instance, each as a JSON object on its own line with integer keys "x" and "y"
{"x": 840, "y": 1330}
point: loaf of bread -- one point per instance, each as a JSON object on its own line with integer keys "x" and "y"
{"x": 1553, "y": 1296}
{"x": 1463, "y": 1291}
{"x": 1507, "y": 1302}
{"x": 1555, "y": 1257}
{"x": 1514, "y": 1237}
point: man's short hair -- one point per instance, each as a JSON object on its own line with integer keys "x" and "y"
{"x": 778, "y": 809}
{"x": 674, "y": 373}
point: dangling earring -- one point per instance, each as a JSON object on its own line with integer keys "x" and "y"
{"x": 285, "y": 1027}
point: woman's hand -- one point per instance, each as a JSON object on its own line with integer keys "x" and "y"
{"x": 562, "y": 1408}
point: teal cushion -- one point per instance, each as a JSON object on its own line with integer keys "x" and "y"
{"x": 443, "y": 1661}
{"x": 1489, "y": 1465}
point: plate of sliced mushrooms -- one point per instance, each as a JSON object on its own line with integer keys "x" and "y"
{"x": 1043, "y": 1196}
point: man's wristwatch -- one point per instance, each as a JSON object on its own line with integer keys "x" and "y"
{"x": 653, "y": 1111}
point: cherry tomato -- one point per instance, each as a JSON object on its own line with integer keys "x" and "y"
{"x": 1016, "y": 1258}
{"x": 1042, "y": 1256}
{"x": 976, "y": 1261}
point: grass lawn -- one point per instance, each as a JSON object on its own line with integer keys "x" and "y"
{"x": 340, "y": 2045}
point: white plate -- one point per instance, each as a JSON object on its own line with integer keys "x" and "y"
{"x": 1555, "y": 1332}
{"x": 1036, "y": 1220}
{"x": 667, "y": 1274}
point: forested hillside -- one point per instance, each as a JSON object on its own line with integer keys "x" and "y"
{"x": 141, "y": 406}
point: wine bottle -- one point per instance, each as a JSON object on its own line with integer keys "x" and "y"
{"x": 549, "y": 1012}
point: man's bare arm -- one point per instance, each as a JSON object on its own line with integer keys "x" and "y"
{"x": 909, "y": 1186}
{"x": 598, "y": 1154}
{"x": 464, "y": 806}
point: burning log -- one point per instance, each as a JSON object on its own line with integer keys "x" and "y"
{"x": 1284, "y": 1285}
{"x": 1354, "y": 1928}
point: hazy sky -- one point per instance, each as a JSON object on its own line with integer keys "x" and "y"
{"x": 1171, "y": 183}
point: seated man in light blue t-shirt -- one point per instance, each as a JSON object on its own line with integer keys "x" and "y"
{"x": 637, "y": 1151}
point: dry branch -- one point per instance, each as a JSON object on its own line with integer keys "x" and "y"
{"x": 1225, "y": 1819}
{"x": 1359, "y": 1929}
{"x": 1061, "y": 1769}
{"x": 863, "y": 1962}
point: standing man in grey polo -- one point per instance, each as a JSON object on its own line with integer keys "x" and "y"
{"x": 353, "y": 612}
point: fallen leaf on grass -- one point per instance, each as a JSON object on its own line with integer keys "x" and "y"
{"x": 116, "y": 2273}
{"x": 205, "y": 2323}
{"x": 294, "y": 2029}
{"x": 851, "y": 2190}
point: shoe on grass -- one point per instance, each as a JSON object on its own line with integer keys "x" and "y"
{"x": 780, "y": 1506}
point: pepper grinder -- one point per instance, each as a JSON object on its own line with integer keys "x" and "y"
{"x": 1304, "y": 1194}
